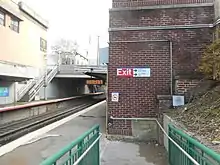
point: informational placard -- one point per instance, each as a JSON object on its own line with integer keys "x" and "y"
{"x": 141, "y": 72}
{"x": 115, "y": 97}
{"x": 133, "y": 72}
{"x": 94, "y": 82}
{"x": 178, "y": 100}
{"x": 4, "y": 91}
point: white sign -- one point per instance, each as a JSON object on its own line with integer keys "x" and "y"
{"x": 115, "y": 97}
{"x": 178, "y": 100}
{"x": 141, "y": 72}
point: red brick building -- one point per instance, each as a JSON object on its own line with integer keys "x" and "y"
{"x": 168, "y": 36}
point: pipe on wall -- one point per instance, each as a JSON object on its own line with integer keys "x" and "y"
{"x": 134, "y": 118}
{"x": 171, "y": 68}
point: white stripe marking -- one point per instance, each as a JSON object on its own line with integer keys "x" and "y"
{"x": 39, "y": 138}
{"x": 26, "y": 138}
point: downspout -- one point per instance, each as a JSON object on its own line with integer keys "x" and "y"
{"x": 171, "y": 68}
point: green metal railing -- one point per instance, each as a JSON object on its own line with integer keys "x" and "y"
{"x": 197, "y": 151}
{"x": 82, "y": 151}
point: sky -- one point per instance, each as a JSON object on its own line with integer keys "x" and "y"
{"x": 75, "y": 19}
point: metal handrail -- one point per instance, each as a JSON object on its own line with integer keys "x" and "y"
{"x": 36, "y": 89}
{"x": 52, "y": 73}
{"x": 24, "y": 87}
{"x": 200, "y": 146}
{"x": 81, "y": 68}
{"x": 40, "y": 83}
{"x": 52, "y": 160}
{"x": 212, "y": 154}
{"x": 37, "y": 83}
{"x": 88, "y": 149}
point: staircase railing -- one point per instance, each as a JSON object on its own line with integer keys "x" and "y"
{"x": 32, "y": 93}
{"x": 71, "y": 69}
{"x": 52, "y": 74}
{"x": 24, "y": 89}
{"x": 40, "y": 83}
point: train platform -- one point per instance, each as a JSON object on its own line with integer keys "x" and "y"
{"x": 33, "y": 148}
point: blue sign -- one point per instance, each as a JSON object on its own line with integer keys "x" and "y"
{"x": 4, "y": 92}
{"x": 141, "y": 72}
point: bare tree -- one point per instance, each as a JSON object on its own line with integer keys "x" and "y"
{"x": 66, "y": 49}
{"x": 65, "y": 45}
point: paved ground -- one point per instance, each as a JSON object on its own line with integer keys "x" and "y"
{"x": 121, "y": 153}
{"x": 112, "y": 152}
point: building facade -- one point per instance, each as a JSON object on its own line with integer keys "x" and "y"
{"x": 166, "y": 38}
{"x": 23, "y": 45}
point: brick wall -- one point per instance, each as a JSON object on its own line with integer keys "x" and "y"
{"x": 137, "y": 3}
{"x": 182, "y": 86}
{"x": 130, "y": 48}
{"x": 172, "y": 16}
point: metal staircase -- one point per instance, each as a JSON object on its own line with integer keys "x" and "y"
{"x": 32, "y": 88}
{"x": 25, "y": 89}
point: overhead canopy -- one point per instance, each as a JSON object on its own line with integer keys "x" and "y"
{"x": 101, "y": 76}
{"x": 13, "y": 78}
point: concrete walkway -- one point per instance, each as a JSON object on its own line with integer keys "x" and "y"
{"x": 122, "y": 153}
{"x": 112, "y": 152}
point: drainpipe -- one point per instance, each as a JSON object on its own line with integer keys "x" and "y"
{"x": 171, "y": 68}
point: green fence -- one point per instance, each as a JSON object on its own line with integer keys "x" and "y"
{"x": 82, "y": 151}
{"x": 197, "y": 151}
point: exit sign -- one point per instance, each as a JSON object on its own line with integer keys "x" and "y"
{"x": 133, "y": 72}
{"x": 125, "y": 72}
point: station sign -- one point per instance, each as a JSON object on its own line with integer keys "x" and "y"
{"x": 94, "y": 82}
{"x": 133, "y": 72}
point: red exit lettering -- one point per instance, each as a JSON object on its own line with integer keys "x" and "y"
{"x": 125, "y": 72}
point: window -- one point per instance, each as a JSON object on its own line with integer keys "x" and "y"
{"x": 14, "y": 25}
{"x": 43, "y": 45}
{"x": 2, "y": 18}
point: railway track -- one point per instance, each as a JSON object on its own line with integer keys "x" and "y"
{"x": 16, "y": 129}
